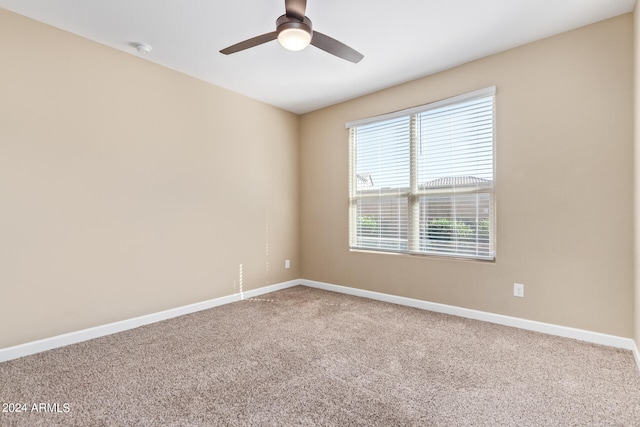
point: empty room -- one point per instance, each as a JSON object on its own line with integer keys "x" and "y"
{"x": 290, "y": 212}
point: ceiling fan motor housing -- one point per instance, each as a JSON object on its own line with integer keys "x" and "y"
{"x": 289, "y": 23}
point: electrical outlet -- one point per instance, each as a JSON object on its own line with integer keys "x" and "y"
{"x": 518, "y": 290}
{"x": 287, "y": 264}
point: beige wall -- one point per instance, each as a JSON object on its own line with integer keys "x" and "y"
{"x": 636, "y": 56}
{"x": 127, "y": 188}
{"x": 564, "y": 186}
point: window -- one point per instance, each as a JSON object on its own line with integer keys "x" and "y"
{"x": 421, "y": 180}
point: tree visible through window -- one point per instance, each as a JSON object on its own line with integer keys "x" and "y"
{"x": 421, "y": 180}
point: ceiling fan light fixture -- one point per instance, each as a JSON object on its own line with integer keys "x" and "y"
{"x": 294, "y": 38}
{"x": 294, "y": 31}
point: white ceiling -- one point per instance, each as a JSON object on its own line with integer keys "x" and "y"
{"x": 401, "y": 39}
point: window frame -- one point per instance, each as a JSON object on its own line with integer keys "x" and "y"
{"x": 413, "y": 193}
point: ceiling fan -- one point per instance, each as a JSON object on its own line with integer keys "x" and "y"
{"x": 295, "y": 32}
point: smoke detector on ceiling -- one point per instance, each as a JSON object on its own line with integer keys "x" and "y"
{"x": 143, "y": 48}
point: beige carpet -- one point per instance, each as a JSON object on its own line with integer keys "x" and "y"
{"x": 302, "y": 356}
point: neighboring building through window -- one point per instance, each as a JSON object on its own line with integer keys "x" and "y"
{"x": 421, "y": 180}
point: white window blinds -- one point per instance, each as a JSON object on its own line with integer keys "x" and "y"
{"x": 421, "y": 180}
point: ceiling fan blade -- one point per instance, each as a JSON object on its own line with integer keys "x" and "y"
{"x": 296, "y": 8}
{"x": 252, "y": 42}
{"x": 334, "y": 47}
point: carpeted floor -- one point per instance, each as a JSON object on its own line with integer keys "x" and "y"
{"x": 303, "y": 356}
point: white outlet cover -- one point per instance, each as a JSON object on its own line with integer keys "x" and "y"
{"x": 518, "y": 290}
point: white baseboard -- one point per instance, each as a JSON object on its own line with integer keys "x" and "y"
{"x": 29, "y": 348}
{"x": 531, "y": 325}
{"x": 112, "y": 328}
